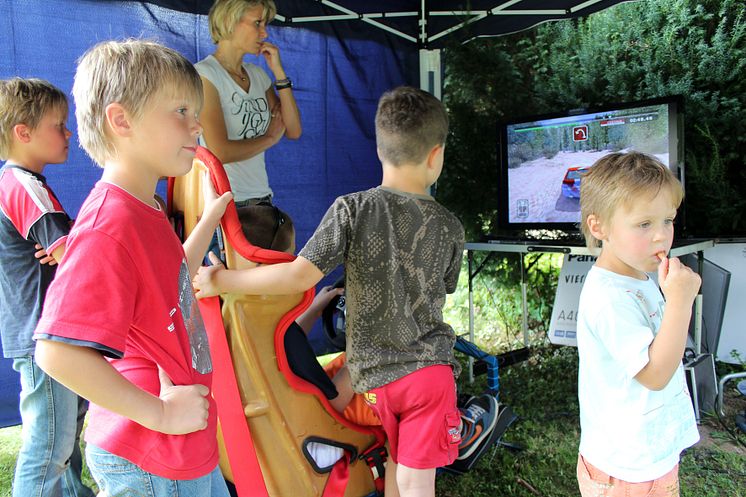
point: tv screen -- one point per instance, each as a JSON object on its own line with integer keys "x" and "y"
{"x": 542, "y": 158}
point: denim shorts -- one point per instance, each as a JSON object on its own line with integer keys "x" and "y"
{"x": 118, "y": 477}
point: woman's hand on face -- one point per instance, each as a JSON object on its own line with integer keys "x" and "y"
{"x": 272, "y": 55}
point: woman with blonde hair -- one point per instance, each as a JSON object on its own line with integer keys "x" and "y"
{"x": 244, "y": 113}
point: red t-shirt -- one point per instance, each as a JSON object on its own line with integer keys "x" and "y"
{"x": 29, "y": 214}
{"x": 124, "y": 288}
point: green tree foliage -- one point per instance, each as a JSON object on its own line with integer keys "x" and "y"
{"x": 497, "y": 300}
{"x": 633, "y": 51}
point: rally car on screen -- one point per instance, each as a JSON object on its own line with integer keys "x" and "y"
{"x": 571, "y": 182}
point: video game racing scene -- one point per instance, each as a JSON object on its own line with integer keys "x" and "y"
{"x": 546, "y": 158}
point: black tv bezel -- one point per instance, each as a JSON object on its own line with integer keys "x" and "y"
{"x": 676, "y": 163}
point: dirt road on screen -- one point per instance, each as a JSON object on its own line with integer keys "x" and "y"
{"x": 537, "y": 187}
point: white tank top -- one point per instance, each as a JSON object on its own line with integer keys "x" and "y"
{"x": 247, "y": 115}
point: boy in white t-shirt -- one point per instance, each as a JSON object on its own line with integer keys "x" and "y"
{"x": 636, "y": 414}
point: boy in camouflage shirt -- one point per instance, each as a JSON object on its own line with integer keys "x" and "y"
{"x": 402, "y": 253}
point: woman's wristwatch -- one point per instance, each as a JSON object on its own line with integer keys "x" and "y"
{"x": 281, "y": 84}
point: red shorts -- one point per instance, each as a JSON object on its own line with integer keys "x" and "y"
{"x": 420, "y": 418}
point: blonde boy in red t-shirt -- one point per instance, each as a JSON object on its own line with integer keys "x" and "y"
{"x": 121, "y": 326}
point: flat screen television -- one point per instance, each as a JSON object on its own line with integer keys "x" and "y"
{"x": 542, "y": 158}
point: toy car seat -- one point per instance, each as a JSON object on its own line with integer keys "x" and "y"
{"x": 269, "y": 418}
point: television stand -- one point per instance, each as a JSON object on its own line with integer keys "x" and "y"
{"x": 522, "y": 247}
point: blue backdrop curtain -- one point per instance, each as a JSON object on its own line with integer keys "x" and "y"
{"x": 337, "y": 81}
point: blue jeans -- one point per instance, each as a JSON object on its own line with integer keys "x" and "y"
{"x": 117, "y": 476}
{"x": 49, "y": 462}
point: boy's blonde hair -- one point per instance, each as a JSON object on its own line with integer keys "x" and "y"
{"x": 25, "y": 101}
{"x": 409, "y": 123}
{"x": 619, "y": 179}
{"x": 225, "y": 14}
{"x": 131, "y": 73}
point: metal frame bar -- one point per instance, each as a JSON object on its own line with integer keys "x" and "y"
{"x": 423, "y": 37}
{"x": 348, "y": 15}
{"x": 721, "y": 389}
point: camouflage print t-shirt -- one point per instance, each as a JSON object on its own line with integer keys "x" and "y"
{"x": 402, "y": 254}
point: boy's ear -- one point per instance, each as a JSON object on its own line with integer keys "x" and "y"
{"x": 118, "y": 119}
{"x": 22, "y": 133}
{"x": 595, "y": 226}
{"x": 378, "y": 153}
{"x": 433, "y": 155}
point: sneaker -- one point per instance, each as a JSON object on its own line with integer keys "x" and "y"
{"x": 505, "y": 417}
{"x": 478, "y": 419}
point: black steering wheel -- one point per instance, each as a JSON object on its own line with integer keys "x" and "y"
{"x": 333, "y": 318}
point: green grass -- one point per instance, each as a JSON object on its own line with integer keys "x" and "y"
{"x": 542, "y": 392}
{"x": 10, "y": 444}
{"x": 712, "y": 473}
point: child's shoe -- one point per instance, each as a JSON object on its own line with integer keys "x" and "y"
{"x": 478, "y": 419}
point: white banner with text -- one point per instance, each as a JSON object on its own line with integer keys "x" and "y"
{"x": 564, "y": 323}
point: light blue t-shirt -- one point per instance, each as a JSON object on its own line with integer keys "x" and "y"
{"x": 627, "y": 430}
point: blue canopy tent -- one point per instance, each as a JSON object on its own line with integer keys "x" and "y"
{"x": 341, "y": 55}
